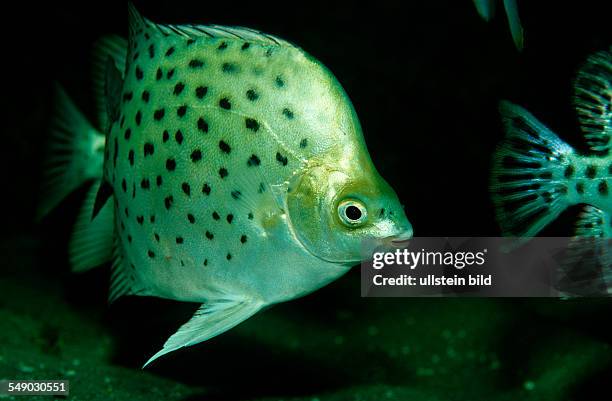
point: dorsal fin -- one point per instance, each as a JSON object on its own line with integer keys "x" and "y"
{"x": 593, "y": 101}
{"x": 139, "y": 24}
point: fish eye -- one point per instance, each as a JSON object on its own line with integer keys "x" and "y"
{"x": 352, "y": 212}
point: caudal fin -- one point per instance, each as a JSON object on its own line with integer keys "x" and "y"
{"x": 528, "y": 185}
{"x": 75, "y": 154}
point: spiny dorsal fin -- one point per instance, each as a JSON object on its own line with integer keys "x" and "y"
{"x": 593, "y": 101}
{"x": 139, "y": 24}
{"x": 111, "y": 47}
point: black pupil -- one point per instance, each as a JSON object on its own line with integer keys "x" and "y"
{"x": 353, "y": 213}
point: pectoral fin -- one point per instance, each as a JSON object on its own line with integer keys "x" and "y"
{"x": 210, "y": 320}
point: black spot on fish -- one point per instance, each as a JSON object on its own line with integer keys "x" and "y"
{"x": 224, "y": 103}
{"x": 602, "y": 188}
{"x": 253, "y": 161}
{"x": 145, "y": 96}
{"x": 127, "y": 96}
{"x": 209, "y": 235}
{"x": 262, "y": 188}
{"x": 156, "y": 236}
{"x": 243, "y": 239}
{"x": 170, "y": 51}
{"x": 145, "y": 184}
{"x": 222, "y": 46}
{"x": 236, "y": 194}
{"x": 201, "y": 91}
{"x": 151, "y": 51}
{"x": 191, "y": 218}
{"x": 147, "y": 36}
{"x": 179, "y": 240}
{"x": 159, "y": 180}
{"x": 151, "y": 254}
{"x": 250, "y": 216}
{"x": 190, "y": 41}
{"x": 279, "y": 82}
{"x": 229, "y": 68}
{"x": 178, "y": 88}
{"x": 124, "y": 185}
{"x": 205, "y": 262}
{"x": 128, "y": 134}
{"x": 140, "y": 219}
{"x": 228, "y": 256}
{"x": 122, "y": 121}
{"x": 129, "y": 237}
{"x": 168, "y": 202}
{"x": 139, "y": 73}
{"x": 569, "y": 171}
{"x": 152, "y": 219}
{"x": 229, "y": 218}
{"x": 206, "y": 189}
{"x": 245, "y": 46}
{"x": 252, "y": 95}
{"x": 202, "y": 125}
{"x": 195, "y": 63}
{"x": 251, "y": 124}
{"x": 281, "y": 159}
{"x": 170, "y": 164}
{"x": 196, "y": 155}
{"x": 135, "y": 56}
{"x": 159, "y": 74}
{"x": 288, "y": 113}
{"x": 170, "y": 74}
{"x": 216, "y": 216}
{"x": 165, "y": 136}
{"x": 131, "y": 157}
{"x": 225, "y": 148}
{"x": 148, "y": 149}
{"x": 178, "y": 136}
{"x": 303, "y": 143}
{"x": 181, "y": 111}
{"x": 127, "y": 212}
{"x": 223, "y": 172}
{"x": 580, "y": 188}
{"x": 138, "y": 117}
{"x": 591, "y": 172}
{"x": 159, "y": 114}
{"x": 186, "y": 188}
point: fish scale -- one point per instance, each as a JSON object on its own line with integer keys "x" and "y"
{"x": 231, "y": 158}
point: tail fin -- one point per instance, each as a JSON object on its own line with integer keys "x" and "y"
{"x": 75, "y": 154}
{"x": 528, "y": 185}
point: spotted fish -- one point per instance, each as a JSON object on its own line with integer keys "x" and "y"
{"x": 536, "y": 176}
{"x": 233, "y": 172}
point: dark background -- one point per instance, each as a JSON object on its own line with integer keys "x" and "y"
{"x": 425, "y": 78}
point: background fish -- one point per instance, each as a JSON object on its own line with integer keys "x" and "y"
{"x": 536, "y": 176}
{"x": 486, "y": 9}
{"x": 233, "y": 173}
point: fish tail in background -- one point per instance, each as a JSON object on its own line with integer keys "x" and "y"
{"x": 75, "y": 154}
{"x": 91, "y": 243}
{"x": 528, "y": 183}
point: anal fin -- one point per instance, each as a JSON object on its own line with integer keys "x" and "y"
{"x": 210, "y": 320}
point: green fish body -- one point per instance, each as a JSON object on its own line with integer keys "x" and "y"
{"x": 235, "y": 173}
